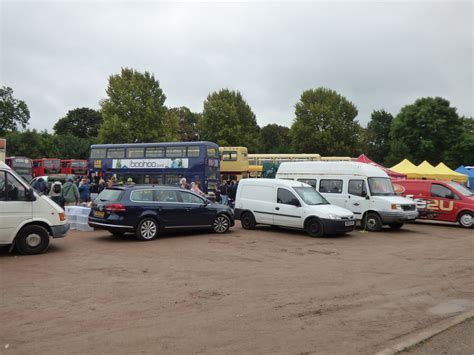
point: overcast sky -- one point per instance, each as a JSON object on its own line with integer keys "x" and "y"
{"x": 58, "y": 55}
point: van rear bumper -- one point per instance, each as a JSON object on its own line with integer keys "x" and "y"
{"x": 398, "y": 217}
{"x": 337, "y": 226}
{"x": 59, "y": 231}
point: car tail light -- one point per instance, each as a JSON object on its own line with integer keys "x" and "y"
{"x": 115, "y": 207}
{"x": 62, "y": 216}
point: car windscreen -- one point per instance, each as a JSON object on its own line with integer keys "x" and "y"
{"x": 110, "y": 195}
{"x": 310, "y": 196}
{"x": 465, "y": 191}
{"x": 381, "y": 186}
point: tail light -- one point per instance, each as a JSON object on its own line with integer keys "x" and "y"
{"x": 115, "y": 207}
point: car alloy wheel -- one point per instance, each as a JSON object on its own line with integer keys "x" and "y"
{"x": 221, "y": 224}
{"x": 148, "y": 229}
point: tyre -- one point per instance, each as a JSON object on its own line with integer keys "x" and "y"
{"x": 248, "y": 220}
{"x": 466, "y": 219}
{"x": 147, "y": 229}
{"x": 221, "y": 224}
{"x": 314, "y": 228}
{"x": 372, "y": 222}
{"x": 396, "y": 226}
{"x": 32, "y": 240}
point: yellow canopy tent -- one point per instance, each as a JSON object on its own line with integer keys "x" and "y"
{"x": 430, "y": 172}
{"x": 450, "y": 174}
{"x": 408, "y": 168}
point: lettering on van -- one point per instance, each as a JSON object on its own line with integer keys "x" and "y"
{"x": 433, "y": 205}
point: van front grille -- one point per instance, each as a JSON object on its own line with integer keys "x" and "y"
{"x": 409, "y": 207}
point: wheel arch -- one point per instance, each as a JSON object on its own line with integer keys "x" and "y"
{"x": 310, "y": 218}
{"x": 463, "y": 211}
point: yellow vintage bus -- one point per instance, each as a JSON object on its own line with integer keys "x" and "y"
{"x": 259, "y": 159}
{"x": 234, "y": 163}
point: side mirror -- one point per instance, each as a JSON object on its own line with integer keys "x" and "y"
{"x": 363, "y": 193}
{"x": 295, "y": 202}
{"x": 30, "y": 194}
{"x": 367, "y": 197}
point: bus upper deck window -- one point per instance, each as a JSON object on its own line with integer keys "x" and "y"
{"x": 212, "y": 152}
{"x": 154, "y": 152}
{"x": 135, "y": 152}
{"x": 193, "y": 152}
{"x": 116, "y": 153}
{"x": 175, "y": 152}
{"x": 229, "y": 156}
{"x": 98, "y": 153}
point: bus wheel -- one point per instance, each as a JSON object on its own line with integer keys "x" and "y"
{"x": 314, "y": 228}
{"x": 396, "y": 226}
{"x": 372, "y": 222}
{"x": 248, "y": 221}
{"x": 466, "y": 219}
{"x": 147, "y": 229}
{"x": 32, "y": 240}
{"x": 221, "y": 224}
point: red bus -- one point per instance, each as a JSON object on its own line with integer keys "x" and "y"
{"x": 74, "y": 167}
{"x": 22, "y": 165}
{"x": 46, "y": 166}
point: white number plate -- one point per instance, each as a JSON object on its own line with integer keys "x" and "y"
{"x": 349, "y": 223}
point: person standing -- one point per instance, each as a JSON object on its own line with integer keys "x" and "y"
{"x": 224, "y": 190}
{"x": 184, "y": 184}
{"x": 70, "y": 192}
{"x": 195, "y": 187}
{"x": 56, "y": 194}
{"x": 84, "y": 190}
{"x": 101, "y": 185}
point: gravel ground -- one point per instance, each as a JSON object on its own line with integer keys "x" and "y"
{"x": 264, "y": 291}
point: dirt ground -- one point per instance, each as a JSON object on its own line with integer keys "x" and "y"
{"x": 264, "y": 291}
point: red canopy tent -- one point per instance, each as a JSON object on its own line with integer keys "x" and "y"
{"x": 393, "y": 174}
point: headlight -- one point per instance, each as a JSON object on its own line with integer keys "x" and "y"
{"x": 396, "y": 206}
{"x": 334, "y": 216}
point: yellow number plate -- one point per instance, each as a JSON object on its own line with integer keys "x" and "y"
{"x": 99, "y": 214}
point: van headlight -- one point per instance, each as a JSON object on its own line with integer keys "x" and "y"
{"x": 396, "y": 206}
{"x": 334, "y": 216}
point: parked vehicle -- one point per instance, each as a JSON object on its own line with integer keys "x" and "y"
{"x": 446, "y": 201}
{"x": 364, "y": 189}
{"x": 74, "y": 167}
{"x": 289, "y": 204}
{"x": 46, "y": 166}
{"x": 22, "y": 165}
{"x": 27, "y": 219}
{"x": 146, "y": 210}
{"x": 50, "y": 179}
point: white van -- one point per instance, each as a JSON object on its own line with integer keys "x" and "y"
{"x": 27, "y": 219}
{"x": 362, "y": 188}
{"x": 289, "y": 204}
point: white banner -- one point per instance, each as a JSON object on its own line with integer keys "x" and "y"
{"x": 171, "y": 163}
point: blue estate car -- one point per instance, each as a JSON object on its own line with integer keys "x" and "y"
{"x": 148, "y": 209}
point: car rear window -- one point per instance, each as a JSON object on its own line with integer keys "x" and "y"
{"x": 110, "y": 195}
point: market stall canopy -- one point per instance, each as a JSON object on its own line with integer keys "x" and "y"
{"x": 408, "y": 168}
{"x": 451, "y": 174}
{"x": 470, "y": 175}
{"x": 393, "y": 174}
{"x": 430, "y": 172}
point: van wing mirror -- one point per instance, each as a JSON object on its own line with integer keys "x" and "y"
{"x": 363, "y": 193}
{"x": 295, "y": 202}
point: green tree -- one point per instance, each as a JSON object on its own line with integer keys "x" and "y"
{"x": 188, "y": 123}
{"x": 275, "y": 139}
{"x": 325, "y": 123}
{"x": 229, "y": 121}
{"x": 378, "y": 136}
{"x": 14, "y": 113}
{"x": 81, "y": 122}
{"x": 134, "y": 110}
{"x": 462, "y": 152}
{"x": 427, "y": 129}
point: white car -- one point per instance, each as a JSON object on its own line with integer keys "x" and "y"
{"x": 27, "y": 219}
{"x": 290, "y": 204}
{"x": 364, "y": 189}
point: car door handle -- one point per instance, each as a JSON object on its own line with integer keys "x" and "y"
{"x": 277, "y": 208}
{"x": 356, "y": 204}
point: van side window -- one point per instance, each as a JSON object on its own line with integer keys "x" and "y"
{"x": 330, "y": 186}
{"x": 356, "y": 187}
{"x": 14, "y": 189}
{"x": 311, "y": 182}
{"x": 285, "y": 197}
{"x": 442, "y": 191}
{"x": 3, "y": 190}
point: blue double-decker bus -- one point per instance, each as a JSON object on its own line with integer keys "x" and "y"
{"x": 158, "y": 163}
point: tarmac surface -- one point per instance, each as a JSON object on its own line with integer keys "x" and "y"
{"x": 269, "y": 290}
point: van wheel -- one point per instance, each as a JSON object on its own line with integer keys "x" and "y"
{"x": 248, "y": 221}
{"x": 221, "y": 224}
{"x": 32, "y": 240}
{"x": 147, "y": 229}
{"x": 466, "y": 219}
{"x": 314, "y": 228}
{"x": 396, "y": 226}
{"x": 372, "y": 222}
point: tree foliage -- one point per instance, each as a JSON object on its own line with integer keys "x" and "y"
{"x": 427, "y": 129}
{"x": 378, "y": 136}
{"x": 275, "y": 139}
{"x": 325, "y": 123}
{"x": 188, "y": 123}
{"x": 134, "y": 110}
{"x": 81, "y": 122}
{"x": 229, "y": 121}
{"x": 462, "y": 152}
{"x": 14, "y": 113}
